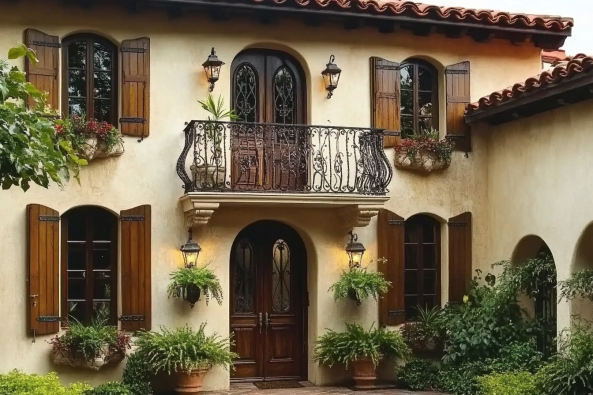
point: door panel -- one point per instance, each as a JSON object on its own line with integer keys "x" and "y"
{"x": 274, "y": 346}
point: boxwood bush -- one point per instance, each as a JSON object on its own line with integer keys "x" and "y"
{"x": 17, "y": 382}
{"x": 520, "y": 383}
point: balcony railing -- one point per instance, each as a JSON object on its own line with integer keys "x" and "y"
{"x": 254, "y": 157}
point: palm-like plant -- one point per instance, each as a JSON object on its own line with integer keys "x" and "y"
{"x": 217, "y": 112}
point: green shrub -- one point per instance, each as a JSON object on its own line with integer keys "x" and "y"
{"x": 197, "y": 276}
{"x": 579, "y": 284}
{"x": 461, "y": 379}
{"x": 425, "y": 332}
{"x": 113, "y": 388}
{"x": 418, "y": 375}
{"x": 355, "y": 342}
{"x": 521, "y": 383}
{"x": 183, "y": 350}
{"x": 19, "y": 383}
{"x": 359, "y": 284}
{"x": 137, "y": 375}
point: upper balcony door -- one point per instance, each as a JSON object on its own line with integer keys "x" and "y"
{"x": 268, "y": 87}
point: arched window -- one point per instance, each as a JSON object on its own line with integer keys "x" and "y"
{"x": 419, "y": 97}
{"x": 90, "y": 77}
{"x": 89, "y": 264}
{"x": 422, "y": 286}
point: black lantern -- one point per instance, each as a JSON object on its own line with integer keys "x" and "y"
{"x": 212, "y": 67}
{"x": 331, "y": 76}
{"x": 355, "y": 251}
{"x": 191, "y": 251}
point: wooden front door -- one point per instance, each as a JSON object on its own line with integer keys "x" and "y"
{"x": 268, "y": 303}
{"x": 268, "y": 88}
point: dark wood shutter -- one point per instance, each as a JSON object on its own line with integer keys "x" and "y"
{"x": 135, "y": 88}
{"x": 460, "y": 256}
{"x": 43, "y": 290}
{"x": 391, "y": 246}
{"x": 136, "y": 295}
{"x": 458, "y": 97}
{"x": 385, "y": 98}
{"x": 44, "y": 75}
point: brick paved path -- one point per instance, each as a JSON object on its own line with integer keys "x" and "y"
{"x": 250, "y": 389}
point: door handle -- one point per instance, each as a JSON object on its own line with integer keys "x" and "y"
{"x": 267, "y": 322}
{"x": 260, "y": 322}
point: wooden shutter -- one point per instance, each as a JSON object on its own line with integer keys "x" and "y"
{"x": 44, "y": 75}
{"x": 391, "y": 246}
{"x": 43, "y": 286}
{"x": 135, "y": 88}
{"x": 136, "y": 296}
{"x": 460, "y": 256}
{"x": 385, "y": 98}
{"x": 458, "y": 97}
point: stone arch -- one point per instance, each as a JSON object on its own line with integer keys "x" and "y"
{"x": 581, "y": 308}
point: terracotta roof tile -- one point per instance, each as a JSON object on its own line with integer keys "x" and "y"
{"x": 560, "y": 72}
{"x": 553, "y": 56}
{"x": 419, "y": 10}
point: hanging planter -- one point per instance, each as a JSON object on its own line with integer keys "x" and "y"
{"x": 359, "y": 284}
{"x": 189, "y": 283}
{"x": 424, "y": 153}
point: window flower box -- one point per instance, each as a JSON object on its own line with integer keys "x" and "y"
{"x": 424, "y": 153}
{"x": 90, "y": 139}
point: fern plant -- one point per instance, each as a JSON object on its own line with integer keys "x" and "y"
{"x": 184, "y": 350}
{"x": 360, "y": 284}
{"x": 187, "y": 279}
{"x": 356, "y": 342}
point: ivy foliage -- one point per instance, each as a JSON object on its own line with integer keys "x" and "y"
{"x": 201, "y": 277}
{"x": 360, "y": 284}
{"x": 30, "y": 151}
{"x": 580, "y": 284}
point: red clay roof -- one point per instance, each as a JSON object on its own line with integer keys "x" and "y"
{"x": 562, "y": 71}
{"x": 553, "y": 56}
{"x": 454, "y": 14}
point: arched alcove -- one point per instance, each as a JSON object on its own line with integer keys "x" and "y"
{"x": 581, "y": 308}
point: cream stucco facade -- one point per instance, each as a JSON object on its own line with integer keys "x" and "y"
{"x": 521, "y": 179}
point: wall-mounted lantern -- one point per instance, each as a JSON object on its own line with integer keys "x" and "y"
{"x": 212, "y": 67}
{"x": 355, "y": 251}
{"x": 190, "y": 251}
{"x": 331, "y": 76}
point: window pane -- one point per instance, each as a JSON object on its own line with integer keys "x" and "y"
{"x": 430, "y": 302}
{"x": 101, "y": 256}
{"x": 425, "y": 79}
{"x": 76, "y": 289}
{"x": 102, "y": 81}
{"x": 407, "y": 77}
{"x": 407, "y": 102}
{"x": 77, "y": 83}
{"x": 430, "y": 282}
{"x": 77, "y": 54}
{"x": 102, "y": 309}
{"x": 103, "y": 110}
{"x": 281, "y": 277}
{"x": 428, "y": 231}
{"x": 407, "y": 126}
{"x": 102, "y": 285}
{"x": 411, "y": 282}
{"x": 76, "y": 228}
{"x": 429, "y": 258}
{"x": 411, "y": 256}
{"x": 425, "y": 103}
{"x": 102, "y": 225}
{"x": 411, "y": 311}
{"x": 101, "y": 57}
{"x": 244, "y": 278}
{"x": 411, "y": 236}
{"x": 76, "y": 256}
{"x": 76, "y": 107}
{"x": 246, "y": 93}
{"x": 77, "y": 310}
{"x": 284, "y": 97}
{"x": 426, "y": 123}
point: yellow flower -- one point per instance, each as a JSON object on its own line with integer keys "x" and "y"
{"x": 465, "y": 299}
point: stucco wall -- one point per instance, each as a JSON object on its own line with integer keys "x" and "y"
{"x": 145, "y": 174}
{"x": 539, "y": 184}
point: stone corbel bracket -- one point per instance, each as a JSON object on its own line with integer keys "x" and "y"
{"x": 198, "y": 213}
{"x": 358, "y": 216}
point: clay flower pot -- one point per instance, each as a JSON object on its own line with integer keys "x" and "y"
{"x": 364, "y": 373}
{"x": 424, "y": 161}
{"x": 190, "y": 383}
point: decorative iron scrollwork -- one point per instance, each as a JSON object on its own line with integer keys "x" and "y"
{"x": 131, "y": 318}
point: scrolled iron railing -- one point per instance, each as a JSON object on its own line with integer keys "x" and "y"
{"x": 260, "y": 157}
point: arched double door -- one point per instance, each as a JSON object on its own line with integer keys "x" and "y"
{"x": 268, "y": 269}
{"x": 268, "y": 88}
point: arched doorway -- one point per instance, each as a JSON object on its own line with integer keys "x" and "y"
{"x": 268, "y": 267}
{"x": 268, "y": 87}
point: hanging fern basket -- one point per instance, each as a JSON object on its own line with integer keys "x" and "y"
{"x": 192, "y": 295}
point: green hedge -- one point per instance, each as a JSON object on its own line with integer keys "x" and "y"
{"x": 17, "y": 382}
{"x": 521, "y": 383}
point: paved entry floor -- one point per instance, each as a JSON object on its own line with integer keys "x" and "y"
{"x": 250, "y": 389}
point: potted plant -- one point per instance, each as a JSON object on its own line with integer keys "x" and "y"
{"x": 364, "y": 349}
{"x": 424, "y": 152}
{"x": 359, "y": 284}
{"x": 187, "y": 353}
{"x": 90, "y": 139}
{"x": 92, "y": 346}
{"x": 212, "y": 172}
{"x": 189, "y": 282}
{"x": 424, "y": 334}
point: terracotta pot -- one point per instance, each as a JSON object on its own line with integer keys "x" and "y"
{"x": 190, "y": 384}
{"x": 209, "y": 176}
{"x": 423, "y": 161}
{"x": 193, "y": 295}
{"x": 364, "y": 373}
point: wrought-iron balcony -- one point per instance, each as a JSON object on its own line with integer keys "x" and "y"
{"x": 251, "y": 164}
{"x": 258, "y": 157}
